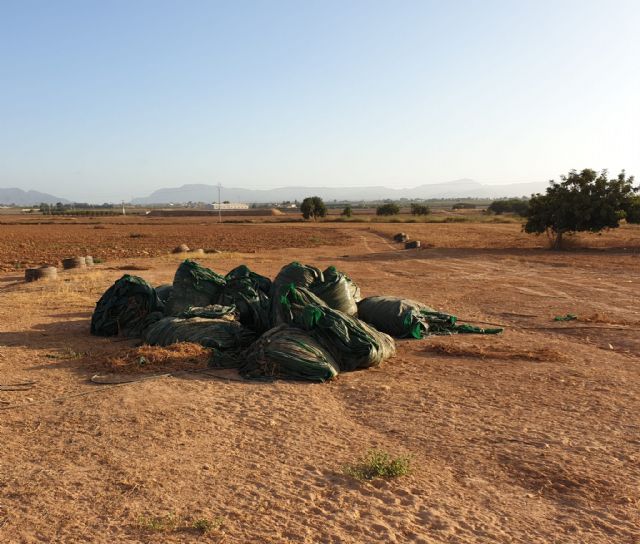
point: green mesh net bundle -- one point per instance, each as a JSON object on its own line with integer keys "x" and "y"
{"x": 193, "y": 286}
{"x": 221, "y": 334}
{"x": 125, "y": 307}
{"x": 290, "y": 353}
{"x": 406, "y": 318}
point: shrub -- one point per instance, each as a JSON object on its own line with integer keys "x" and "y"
{"x": 378, "y": 464}
{"x": 388, "y": 209}
{"x": 420, "y": 209}
{"x": 518, "y": 206}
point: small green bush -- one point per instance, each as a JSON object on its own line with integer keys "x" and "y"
{"x": 378, "y": 464}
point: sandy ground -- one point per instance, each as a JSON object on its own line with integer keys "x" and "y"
{"x": 532, "y": 436}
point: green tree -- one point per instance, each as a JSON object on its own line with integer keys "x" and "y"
{"x": 518, "y": 206}
{"x": 632, "y": 213}
{"x": 388, "y": 209}
{"x": 347, "y": 212}
{"x": 420, "y": 209}
{"x": 582, "y": 201}
{"x": 313, "y": 207}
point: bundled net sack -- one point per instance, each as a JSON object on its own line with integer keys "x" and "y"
{"x": 213, "y": 311}
{"x": 351, "y": 342}
{"x": 406, "y": 318}
{"x": 222, "y": 334}
{"x": 258, "y": 282}
{"x": 290, "y": 353}
{"x": 250, "y": 300}
{"x": 125, "y": 308}
{"x": 286, "y": 299}
{"x": 164, "y": 292}
{"x": 193, "y": 286}
{"x": 337, "y": 291}
{"x": 300, "y": 275}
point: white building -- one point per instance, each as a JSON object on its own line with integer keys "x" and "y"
{"x": 230, "y": 206}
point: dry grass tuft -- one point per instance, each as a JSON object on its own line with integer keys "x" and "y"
{"x": 503, "y": 353}
{"x": 151, "y": 359}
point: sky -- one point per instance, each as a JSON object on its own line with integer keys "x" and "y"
{"x": 109, "y": 100}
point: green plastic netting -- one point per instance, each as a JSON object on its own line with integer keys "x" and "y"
{"x": 125, "y": 307}
{"x": 289, "y": 353}
{"x": 406, "y": 318}
{"x": 222, "y": 334}
{"x": 351, "y": 342}
{"x": 193, "y": 286}
{"x": 300, "y": 275}
{"x": 337, "y": 291}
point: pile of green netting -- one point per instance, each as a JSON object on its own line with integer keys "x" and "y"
{"x": 306, "y": 324}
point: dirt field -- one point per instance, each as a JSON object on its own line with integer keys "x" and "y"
{"x": 530, "y": 437}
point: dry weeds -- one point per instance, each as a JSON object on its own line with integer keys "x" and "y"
{"x": 151, "y": 359}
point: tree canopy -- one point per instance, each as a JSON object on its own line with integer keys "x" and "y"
{"x": 388, "y": 209}
{"x": 420, "y": 209}
{"x": 582, "y": 201}
{"x": 313, "y": 207}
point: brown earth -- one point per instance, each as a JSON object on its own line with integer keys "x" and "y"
{"x": 531, "y": 436}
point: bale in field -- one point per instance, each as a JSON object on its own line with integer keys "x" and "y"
{"x": 297, "y": 274}
{"x": 338, "y": 291}
{"x": 289, "y": 353}
{"x": 221, "y": 334}
{"x": 406, "y": 318}
{"x": 249, "y": 293}
{"x": 351, "y": 342}
{"x": 125, "y": 308}
{"x": 193, "y": 285}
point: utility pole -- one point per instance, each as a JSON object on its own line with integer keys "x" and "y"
{"x": 219, "y": 204}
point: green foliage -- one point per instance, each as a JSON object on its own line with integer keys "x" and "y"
{"x": 378, "y": 464}
{"x": 582, "y": 201}
{"x": 347, "y": 212}
{"x": 313, "y": 207}
{"x": 518, "y": 206}
{"x": 632, "y": 212}
{"x": 204, "y": 525}
{"x": 420, "y": 209}
{"x": 388, "y": 209}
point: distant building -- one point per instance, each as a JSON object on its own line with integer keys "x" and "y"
{"x": 230, "y": 206}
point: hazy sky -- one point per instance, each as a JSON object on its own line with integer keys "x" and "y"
{"x": 103, "y": 100}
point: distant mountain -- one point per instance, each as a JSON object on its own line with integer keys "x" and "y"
{"x": 454, "y": 189}
{"x": 28, "y": 198}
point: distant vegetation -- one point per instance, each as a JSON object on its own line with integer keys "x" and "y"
{"x": 582, "y": 201}
{"x": 519, "y": 206}
{"x": 347, "y": 212}
{"x": 313, "y": 207}
{"x": 388, "y": 209}
{"x": 420, "y": 209}
{"x": 463, "y": 206}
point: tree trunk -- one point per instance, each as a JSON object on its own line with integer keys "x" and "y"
{"x": 557, "y": 244}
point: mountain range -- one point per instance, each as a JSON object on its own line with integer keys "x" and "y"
{"x": 19, "y": 197}
{"x": 462, "y": 188}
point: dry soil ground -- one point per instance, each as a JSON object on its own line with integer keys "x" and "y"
{"x": 532, "y": 436}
